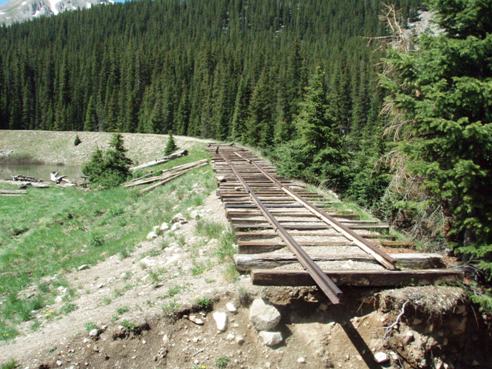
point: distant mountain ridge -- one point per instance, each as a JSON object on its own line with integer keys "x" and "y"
{"x": 15, "y": 11}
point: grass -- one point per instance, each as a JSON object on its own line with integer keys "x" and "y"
{"x": 173, "y": 291}
{"x": 204, "y": 303}
{"x": 10, "y": 364}
{"x": 49, "y": 231}
{"x": 222, "y": 362}
{"x": 89, "y": 326}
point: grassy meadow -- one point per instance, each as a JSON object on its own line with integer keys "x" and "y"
{"x": 50, "y": 231}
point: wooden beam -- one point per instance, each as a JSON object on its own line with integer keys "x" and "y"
{"x": 246, "y": 262}
{"x": 384, "y": 278}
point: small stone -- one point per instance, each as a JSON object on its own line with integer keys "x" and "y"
{"x": 58, "y": 299}
{"x": 59, "y": 363}
{"x": 301, "y": 360}
{"x": 179, "y": 218}
{"x": 231, "y": 307}
{"x": 83, "y": 267}
{"x": 221, "y": 178}
{"x": 164, "y": 227}
{"x": 271, "y": 338}
{"x": 239, "y": 340}
{"x": 94, "y": 333}
{"x": 264, "y": 317}
{"x": 381, "y": 357}
{"x": 196, "y": 320}
{"x": 230, "y": 337}
{"x": 475, "y": 363}
{"x": 408, "y": 337}
{"x": 151, "y": 235}
{"x": 220, "y": 318}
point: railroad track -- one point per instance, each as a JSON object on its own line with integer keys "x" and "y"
{"x": 288, "y": 235}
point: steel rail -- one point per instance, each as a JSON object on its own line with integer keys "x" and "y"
{"x": 383, "y": 258}
{"x": 328, "y": 287}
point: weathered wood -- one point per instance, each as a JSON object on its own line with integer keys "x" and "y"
{"x": 165, "y": 159}
{"x": 165, "y": 174}
{"x": 246, "y": 262}
{"x": 24, "y": 184}
{"x": 405, "y": 244}
{"x": 171, "y": 177}
{"x": 22, "y": 178}
{"x": 383, "y": 278}
{"x": 13, "y": 192}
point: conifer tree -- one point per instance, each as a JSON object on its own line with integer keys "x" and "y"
{"x": 170, "y": 145}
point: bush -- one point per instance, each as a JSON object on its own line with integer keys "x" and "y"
{"x": 171, "y": 145}
{"x": 110, "y": 168}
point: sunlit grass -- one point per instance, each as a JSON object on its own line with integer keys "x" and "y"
{"x": 53, "y": 230}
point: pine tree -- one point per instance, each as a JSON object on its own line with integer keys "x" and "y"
{"x": 441, "y": 95}
{"x": 170, "y": 145}
{"x": 90, "y": 122}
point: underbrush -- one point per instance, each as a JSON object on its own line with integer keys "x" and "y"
{"x": 51, "y": 231}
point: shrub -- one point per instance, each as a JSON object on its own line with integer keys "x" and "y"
{"x": 171, "y": 145}
{"x": 110, "y": 168}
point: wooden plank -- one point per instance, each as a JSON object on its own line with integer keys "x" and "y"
{"x": 246, "y": 262}
{"x": 261, "y": 246}
{"x": 384, "y": 278}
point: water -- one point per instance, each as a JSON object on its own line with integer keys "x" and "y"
{"x": 40, "y": 171}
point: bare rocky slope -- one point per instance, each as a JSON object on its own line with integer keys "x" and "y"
{"x": 15, "y": 11}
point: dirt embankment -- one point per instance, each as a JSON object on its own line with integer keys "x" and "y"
{"x": 58, "y": 147}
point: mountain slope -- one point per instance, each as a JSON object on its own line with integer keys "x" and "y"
{"x": 22, "y": 10}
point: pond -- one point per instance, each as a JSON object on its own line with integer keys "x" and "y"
{"x": 40, "y": 171}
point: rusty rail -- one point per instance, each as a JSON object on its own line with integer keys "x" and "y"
{"x": 383, "y": 258}
{"x": 328, "y": 287}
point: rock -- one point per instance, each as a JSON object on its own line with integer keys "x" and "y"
{"x": 230, "y": 337}
{"x": 408, "y": 337}
{"x": 164, "y": 227}
{"x": 179, "y": 218}
{"x": 220, "y": 318}
{"x": 83, "y": 267}
{"x": 59, "y": 363}
{"x": 263, "y": 317}
{"x": 58, "y": 299}
{"x": 151, "y": 236}
{"x": 94, "y": 333}
{"x": 231, "y": 307}
{"x": 221, "y": 178}
{"x": 175, "y": 227}
{"x": 271, "y": 338}
{"x": 196, "y": 320}
{"x": 381, "y": 357}
{"x": 301, "y": 360}
{"x": 239, "y": 340}
{"x": 165, "y": 339}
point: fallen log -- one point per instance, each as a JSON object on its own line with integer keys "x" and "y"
{"x": 13, "y": 192}
{"x": 174, "y": 155}
{"x": 25, "y": 184}
{"x": 21, "y": 178}
{"x": 171, "y": 177}
{"x": 58, "y": 179}
{"x": 164, "y": 174}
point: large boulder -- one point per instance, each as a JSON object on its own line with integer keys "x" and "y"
{"x": 263, "y": 317}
